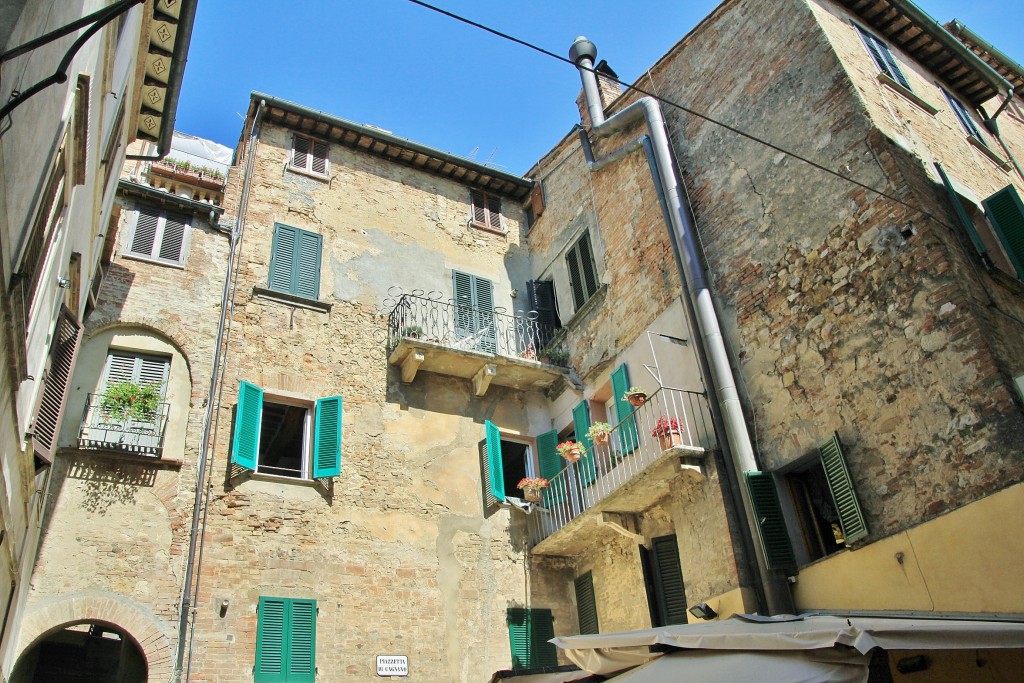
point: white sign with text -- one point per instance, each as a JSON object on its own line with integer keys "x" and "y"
{"x": 392, "y": 665}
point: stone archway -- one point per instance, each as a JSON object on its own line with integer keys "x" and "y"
{"x": 110, "y": 614}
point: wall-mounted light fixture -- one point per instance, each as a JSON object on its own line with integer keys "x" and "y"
{"x": 63, "y": 283}
{"x": 224, "y": 606}
{"x": 703, "y": 611}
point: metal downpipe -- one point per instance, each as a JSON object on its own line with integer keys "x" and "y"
{"x": 777, "y": 594}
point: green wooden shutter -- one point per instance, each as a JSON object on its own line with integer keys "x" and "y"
{"x": 494, "y": 467}
{"x": 628, "y": 439}
{"x": 572, "y": 262}
{"x": 581, "y": 423}
{"x": 528, "y": 633}
{"x": 587, "y": 265}
{"x": 839, "y": 483}
{"x": 1006, "y": 213}
{"x": 586, "y": 605}
{"x": 172, "y": 240}
{"x": 327, "y": 443}
{"x": 771, "y": 527}
{"x": 668, "y": 580}
{"x": 245, "y": 447}
{"x": 483, "y": 301}
{"x": 550, "y": 465}
{"x": 462, "y": 298}
{"x": 271, "y": 640}
{"x": 306, "y": 269}
{"x": 301, "y": 660}
{"x": 961, "y": 213}
{"x": 282, "y": 257}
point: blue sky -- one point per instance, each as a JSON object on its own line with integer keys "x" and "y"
{"x": 423, "y": 76}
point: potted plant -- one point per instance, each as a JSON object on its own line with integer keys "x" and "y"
{"x": 529, "y": 353}
{"x": 531, "y": 488}
{"x": 599, "y": 433}
{"x": 669, "y": 431}
{"x": 130, "y": 401}
{"x": 413, "y": 332}
{"x": 636, "y": 396}
{"x": 554, "y": 356}
{"x": 570, "y": 450}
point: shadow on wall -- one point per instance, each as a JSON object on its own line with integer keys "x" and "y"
{"x": 109, "y": 483}
{"x": 436, "y": 393}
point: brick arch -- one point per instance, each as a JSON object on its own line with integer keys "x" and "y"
{"x": 184, "y": 343}
{"x": 135, "y": 621}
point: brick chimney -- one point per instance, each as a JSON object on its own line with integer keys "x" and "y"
{"x": 608, "y": 87}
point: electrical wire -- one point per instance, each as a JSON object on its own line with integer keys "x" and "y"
{"x": 688, "y": 110}
{"x": 709, "y": 119}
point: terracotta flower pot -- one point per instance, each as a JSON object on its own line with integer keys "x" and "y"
{"x": 602, "y": 439}
{"x": 531, "y": 494}
{"x": 572, "y": 455}
{"x": 637, "y": 399}
{"x": 670, "y": 440}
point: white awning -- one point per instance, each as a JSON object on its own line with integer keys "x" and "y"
{"x": 611, "y": 652}
{"x": 833, "y": 666}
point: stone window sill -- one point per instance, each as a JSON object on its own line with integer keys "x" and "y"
{"x": 149, "y": 259}
{"x": 292, "y": 299}
{"x": 487, "y": 228}
{"x": 322, "y": 177}
{"x": 590, "y": 304}
{"x": 984, "y": 149}
{"x": 907, "y": 93}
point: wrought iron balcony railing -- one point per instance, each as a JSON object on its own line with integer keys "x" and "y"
{"x": 472, "y": 329}
{"x": 670, "y": 422}
{"x": 105, "y": 430}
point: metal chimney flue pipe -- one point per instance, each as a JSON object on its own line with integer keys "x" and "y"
{"x": 712, "y": 348}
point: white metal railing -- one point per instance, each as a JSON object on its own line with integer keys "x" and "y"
{"x": 669, "y": 419}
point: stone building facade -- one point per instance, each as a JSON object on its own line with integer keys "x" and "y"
{"x": 72, "y": 101}
{"x": 409, "y": 333}
{"x": 108, "y": 582}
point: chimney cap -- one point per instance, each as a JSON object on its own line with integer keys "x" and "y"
{"x": 582, "y": 49}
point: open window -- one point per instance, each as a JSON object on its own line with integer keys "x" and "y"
{"x": 486, "y": 209}
{"x": 819, "y": 495}
{"x": 505, "y": 461}
{"x": 285, "y": 437}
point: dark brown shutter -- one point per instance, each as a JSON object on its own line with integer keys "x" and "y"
{"x": 319, "y": 157}
{"x": 300, "y": 152}
{"x": 479, "y": 207}
{"x": 537, "y": 200}
{"x": 494, "y": 211}
{"x": 63, "y": 350}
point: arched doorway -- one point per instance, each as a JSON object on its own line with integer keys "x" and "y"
{"x": 90, "y": 652}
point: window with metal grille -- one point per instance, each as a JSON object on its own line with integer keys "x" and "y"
{"x": 310, "y": 155}
{"x": 285, "y": 641}
{"x": 486, "y": 210}
{"x": 882, "y": 56}
{"x": 159, "y": 235}
{"x": 295, "y": 262}
{"x": 582, "y": 271}
{"x": 285, "y": 437}
{"x": 962, "y": 115}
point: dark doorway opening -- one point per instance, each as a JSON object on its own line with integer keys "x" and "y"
{"x": 85, "y": 653}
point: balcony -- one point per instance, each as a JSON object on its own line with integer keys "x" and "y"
{"x": 661, "y": 441}
{"x": 201, "y": 176}
{"x": 104, "y": 430}
{"x": 485, "y": 346}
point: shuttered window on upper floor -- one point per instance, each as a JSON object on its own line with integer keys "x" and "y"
{"x": 56, "y": 382}
{"x": 582, "y": 271}
{"x": 159, "y": 235}
{"x": 1005, "y": 212}
{"x": 310, "y": 155}
{"x": 295, "y": 262}
{"x": 486, "y": 210}
{"x": 962, "y": 115}
{"x": 529, "y": 630}
{"x": 882, "y": 56}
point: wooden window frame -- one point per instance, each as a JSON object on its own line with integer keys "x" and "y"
{"x": 321, "y": 441}
{"x": 882, "y": 56}
{"x": 485, "y": 211}
{"x": 160, "y": 232}
{"x": 308, "y": 165}
{"x": 963, "y": 116}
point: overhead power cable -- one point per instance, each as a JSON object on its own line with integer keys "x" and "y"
{"x": 688, "y": 110}
{"x": 722, "y": 124}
